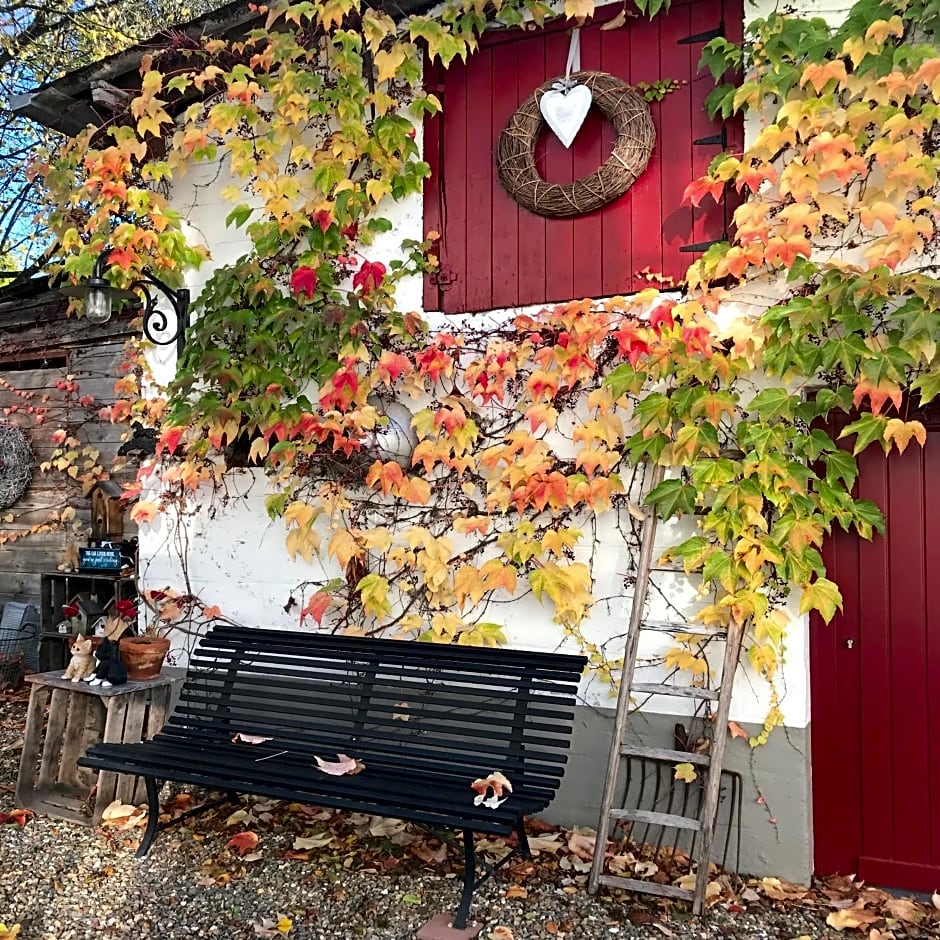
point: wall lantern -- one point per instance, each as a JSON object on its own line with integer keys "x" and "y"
{"x": 99, "y": 296}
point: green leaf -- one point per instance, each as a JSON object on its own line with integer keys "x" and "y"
{"x": 672, "y": 498}
{"x": 774, "y": 403}
{"x": 841, "y": 465}
{"x": 822, "y": 595}
{"x": 238, "y": 216}
{"x": 868, "y": 428}
{"x": 867, "y": 517}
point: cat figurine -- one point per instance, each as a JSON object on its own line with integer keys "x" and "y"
{"x": 82, "y": 662}
{"x": 109, "y": 670}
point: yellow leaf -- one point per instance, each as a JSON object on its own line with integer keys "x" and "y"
{"x": 468, "y": 582}
{"x": 284, "y": 924}
{"x": 388, "y": 63}
{"x": 343, "y": 546}
{"x": 578, "y": 8}
{"x": 685, "y": 772}
{"x": 901, "y": 433}
{"x": 415, "y": 490}
{"x": 9, "y": 933}
{"x": 851, "y": 918}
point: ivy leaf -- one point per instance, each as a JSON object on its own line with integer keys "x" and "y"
{"x": 773, "y": 403}
{"x": 822, "y": 595}
{"x": 868, "y": 428}
{"x": 672, "y": 498}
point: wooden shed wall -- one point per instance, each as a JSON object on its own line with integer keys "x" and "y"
{"x": 40, "y": 347}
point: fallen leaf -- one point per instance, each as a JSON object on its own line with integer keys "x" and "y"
{"x": 904, "y": 909}
{"x": 645, "y": 869}
{"x": 547, "y": 843}
{"x": 14, "y": 746}
{"x": 243, "y": 842}
{"x": 431, "y": 856}
{"x": 239, "y": 816}
{"x": 312, "y": 842}
{"x": 501, "y": 933}
{"x": 343, "y": 765}
{"x": 9, "y": 933}
{"x": 851, "y": 918}
{"x": 381, "y": 827}
{"x": 876, "y": 934}
{"x": 410, "y": 899}
{"x": 243, "y": 738}
{"x": 516, "y": 891}
{"x": 483, "y": 785}
{"x": 736, "y": 731}
{"x": 779, "y": 890}
{"x": 582, "y": 845}
{"x": 664, "y": 930}
{"x": 750, "y": 895}
{"x": 117, "y": 810}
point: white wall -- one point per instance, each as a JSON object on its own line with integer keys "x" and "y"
{"x": 237, "y": 558}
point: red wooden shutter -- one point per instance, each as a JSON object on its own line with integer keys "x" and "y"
{"x": 496, "y": 254}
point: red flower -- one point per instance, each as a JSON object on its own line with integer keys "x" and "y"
{"x": 304, "y": 281}
{"x": 369, "y": 277}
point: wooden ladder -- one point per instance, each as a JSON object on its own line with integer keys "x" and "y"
{"x": 709, "y": 764}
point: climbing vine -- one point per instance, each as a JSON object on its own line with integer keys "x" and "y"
{"x": 522, "y": 440}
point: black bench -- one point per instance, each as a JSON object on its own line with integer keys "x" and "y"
{"x": 425, "y": 719}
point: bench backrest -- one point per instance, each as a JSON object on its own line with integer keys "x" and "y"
{"x": 441, "y": 709}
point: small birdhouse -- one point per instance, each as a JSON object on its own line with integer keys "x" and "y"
{"x": 107, "y": 511}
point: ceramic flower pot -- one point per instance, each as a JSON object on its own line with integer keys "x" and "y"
{"x": 143, "y": 656}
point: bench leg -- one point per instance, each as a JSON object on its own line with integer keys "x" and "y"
{"x": 469, "y": 880}
{"x": 153, "y": 816}
{"x": 524, "y": 849}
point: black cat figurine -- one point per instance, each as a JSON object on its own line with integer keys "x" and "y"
{"x": 109, "y": 671}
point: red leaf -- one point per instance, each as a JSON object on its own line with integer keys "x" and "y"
{"x": 323, "y": 218}
{"x": 317, "y": 606}
{"x": 243, "y": 843}
{"x": 170, "y": 440}
{"x": 369, "y": 277}
{"x": 303, "y": 281}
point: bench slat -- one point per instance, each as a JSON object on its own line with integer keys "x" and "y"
{"x": 390, "y": 650}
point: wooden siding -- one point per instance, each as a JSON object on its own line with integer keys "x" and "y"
{"x": 39, "y": 347}
{"x": 496, "y": 254}
{"x": 875, "y": 710}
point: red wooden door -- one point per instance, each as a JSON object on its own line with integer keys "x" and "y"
{"x": 875, "y": 684}
{"x": 494, "y": 253}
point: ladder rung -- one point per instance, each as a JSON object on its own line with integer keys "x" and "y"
{"x": 657, "y": 819}
{"x": 675, "y": 626}
{"x": 665, "y": 754}
{"x": 682, "y": 691}
{"x": 648, "y": 887}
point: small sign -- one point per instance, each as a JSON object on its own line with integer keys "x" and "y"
{"x": 99, "y": 559}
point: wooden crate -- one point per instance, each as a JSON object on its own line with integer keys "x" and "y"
{"x": 63, "y": 720}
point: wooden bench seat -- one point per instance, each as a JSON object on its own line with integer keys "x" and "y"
{"x": 426, "y": 720}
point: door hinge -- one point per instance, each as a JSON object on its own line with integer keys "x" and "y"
{"x": 720, "y": 139}
{"x": 706, "y": 36}
{"x": 444, "y": 277}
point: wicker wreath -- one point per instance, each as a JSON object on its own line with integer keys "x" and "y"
{"x": 16, "y": 464}
{"x": 515, "y": 157}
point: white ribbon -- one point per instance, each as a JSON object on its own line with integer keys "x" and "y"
{"x": 574, "y": 54}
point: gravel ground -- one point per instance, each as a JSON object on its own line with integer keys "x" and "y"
{"x": 61, "y": 881}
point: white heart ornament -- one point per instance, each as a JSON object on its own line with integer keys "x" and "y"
{"x": 564, "y": 112}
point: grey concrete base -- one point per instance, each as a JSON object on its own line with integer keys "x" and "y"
{"x": 778, "y": 772}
